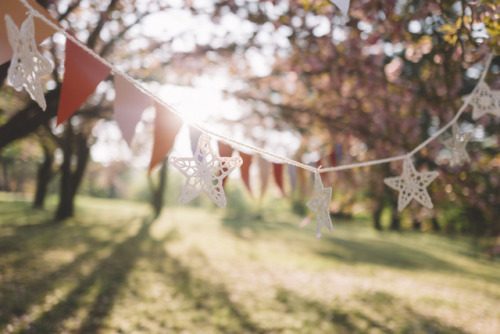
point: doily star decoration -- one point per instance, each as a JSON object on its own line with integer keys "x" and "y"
{"x": 27, "y": 65}
{"x": 456, "y": 144}
{"x": 412, "y": 185}
{"x": 205, "y": 172}
{"x": 319, "y": 204}
{"x": 485, "y": 101}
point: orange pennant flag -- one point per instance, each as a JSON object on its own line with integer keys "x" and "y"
{"x": 82, "y": 74}
{"x": 225, "y": 150}
{"x": 129, "y": 104}
{"x": 167, "y": 125}
{"x": 278, "y": 177}
{"x": 18, "y": 13}
{"x": 245, "y": 170}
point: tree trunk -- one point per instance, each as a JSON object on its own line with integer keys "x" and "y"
{"x": 44, "y": 176}
{"x": 395, "y": 221}
{"x": 377, "y": 216}
{"x": 65, "y": 206}
{"x": 158, "y": 193}
{"x": 5, "y": 175}
{"x": 70, "y": 180}
{"x": 3, "y": 72}
{"x": 416, "y": 224}
{"x": 435, "y": 225}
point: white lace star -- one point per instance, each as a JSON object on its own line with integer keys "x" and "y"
{"x": 319, "y": 204}
{"x": 456, "y": 144}
{"x": 205, "y": 172}
{"x": 27, "y": 65}
{"x": 485, "y": 101}
{"x": 412, "y": 185}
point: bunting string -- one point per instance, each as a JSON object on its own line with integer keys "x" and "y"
{"x": 253, "y": 148}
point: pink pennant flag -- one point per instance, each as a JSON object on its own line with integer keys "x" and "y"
{"x": 167, "y": 125}
{"x": 129, "y": 104}
{"x": 278, "y": 177}
{"x": 292, "y": 172}
{"x": 17, "y": 12}
{"x": 264, "y": 171}
{"x": 82, "y": 74}
{"x": 245, "y": 170}
{"x": 305, "y": 221}
{"x": 225, "y": 150}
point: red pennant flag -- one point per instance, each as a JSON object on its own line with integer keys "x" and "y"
{"x": 129, "y": 104}
{"x": 245, "y": 170}
{"x": 82, "y": 74}
{"x": 225, "y": 150}
{"x": 167, "y": 125}
{"x": 17, "y": 12}
{"x": 278, "y": 177}
{"x": 333, "y": 158}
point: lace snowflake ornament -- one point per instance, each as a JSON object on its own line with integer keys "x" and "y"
{"x": 205, "y": 172}
{"x": 319, "y": 204}
{"x": 412, "y": 185}
{"x": 485, "y": 101}
{"x": 456, "y": 144}
{"x": 27, "y": 65}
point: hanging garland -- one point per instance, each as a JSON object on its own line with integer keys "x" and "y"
{"x": 206, "y": 171}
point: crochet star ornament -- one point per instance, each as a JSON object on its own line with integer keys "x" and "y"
{"x": 412, "y": 185}
{"x": 27, "y": 65}
{"x": 205, "y": 172}
{"x": 485, "y": 101}
{"x": 456, "y": 144}
{"x": 319, "y": 204}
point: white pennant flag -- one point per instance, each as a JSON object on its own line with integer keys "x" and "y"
{"x": 343, "y": 5}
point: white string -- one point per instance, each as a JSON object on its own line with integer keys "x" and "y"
{"x": 460, "y": 111}
{"x": 255, "y": 149}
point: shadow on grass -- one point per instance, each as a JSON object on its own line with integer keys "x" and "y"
{"x": 107, "y": 277}
{"x": 97, "y": 280}
{"x": 382, "y": 253}
{"x": 355, "y": 249}
{"x": 379, "y": 312}
{"x": 210, "y": 298}
{"x": 239, "y": 223}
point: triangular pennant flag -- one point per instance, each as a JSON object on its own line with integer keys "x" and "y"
{"x": 18, "y": 13}
{"x": 278, "y": 177}
{"x": 264, "y": 171}
{"x": 324, "y": 176}
{"x": 167, "y": 125}
{"x": 303, "y": 182}
{"x": 225, "y": 151}
{"x": 293, "y": 173}
{"x": 82, "y": 74}
{"x": 343, "y": 5}
{"x": 129, "y": 104}
{"x": 194, "y": 137}
{"x": 333, "y": 158}
{"x": 245, "y": 170}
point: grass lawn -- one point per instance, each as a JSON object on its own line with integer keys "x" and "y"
{"x": 194, "y": 270}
